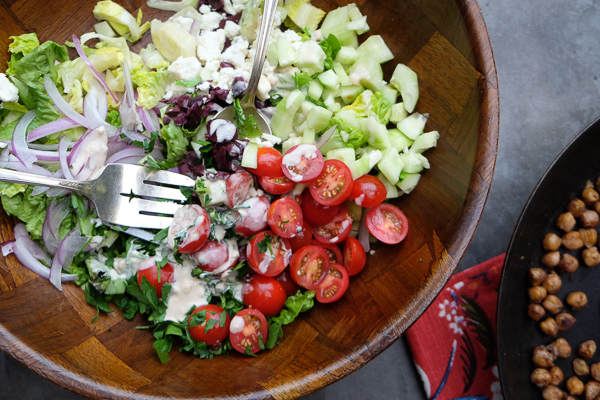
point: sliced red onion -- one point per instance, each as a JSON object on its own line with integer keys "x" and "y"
{"x": 69, "y": 246}
{"x": 62, "y": 105}
{"x": 92, "y": 158}
{"x": 86, "y": 60}
{"x": 5, "y": 154}
{"x": 363, "y": 231}
{"x": 19, "y": 141}
{"x": 146, "y": 120}
{"x": 131, "y": 151}
{"x": 134, "y": 136}
{"x": 57, "y": 192}
{"x": 55, "y": 214}
{"x": 46, "y": 155}
{"x": 22, "y": 238}
{"x": 37, "y": 190}
{"x": 18, "y": 166}
{"x": 127, "y": 107}
{"x": 76, "y": 150}
{"x": 324, "y": 138}
{"x": 59, "y": 125}
{"x": 46, "y": 147}
{"x": 7, "y": 247}
{"x": 63, "y": 145}
{"x": 95, "y": 106}
{"x": 37, "y": 267}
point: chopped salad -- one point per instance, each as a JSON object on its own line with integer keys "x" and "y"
{"x": 273, "y": 222}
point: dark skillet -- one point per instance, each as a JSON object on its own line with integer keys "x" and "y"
{"x": 517, "y": 334}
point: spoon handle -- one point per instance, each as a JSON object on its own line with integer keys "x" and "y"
{"x": 269, "y": 9}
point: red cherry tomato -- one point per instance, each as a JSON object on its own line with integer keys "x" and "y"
{"x": 268, "y": 254}
{"x": 253, "y": 216}
{"x": 309, "y": 266}
{"x": 387, "y": 223}
{"x": 285, "y": 217}
{"x": 315, "y": 213}
{"x": 303, "y": 238}
{"x": 246, "y": 329}
{"x": 355, "y": 257}
{"x": 333, "y": 185}
{"x": 333, "y": 251}
{"x": 335, "y": 231}
{"x": 149, "y": 270}
{"x": 215, "y": 336}
{"x": 302, "y": 163}
{"x": 237, "y": 186}
{"x": 286, "y": 281}
{"x": 276, "y": 184}
{"x": 334, "y": 285}
{"x": 268, "y": 162}
{"x": 215, "y": 256}
{"x": 368, "y": 191}
{"x": 194, "y": 220}
{"x": 263, "y": 293}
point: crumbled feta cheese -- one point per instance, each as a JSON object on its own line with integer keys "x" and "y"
{"x": 210, "y": 21}
{"x": 231, "y": 29}
{"x": 210, "y": 45}
{"x": 236, "y": 53}
{"x": 8, "y": 91}
{"x": 317, "y": 35}
{"x": 184, "y": 23}
{"x": 185, "y": 68}
{"x": 204, "y": 9}
{"x": 291, "y": 36}
{"x": 233, "y": 6}
{"x": 210, "y": 67}
{"x": 264, "y": 87}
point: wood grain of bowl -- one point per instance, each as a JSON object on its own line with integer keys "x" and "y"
{"x": 447, "y": 44}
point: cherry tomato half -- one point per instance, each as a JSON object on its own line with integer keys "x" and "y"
{"x": 263, "y": 293}
{"x": 333, "y": 251}
{"x": 246, "y": 329}
{"x": 253, "y": 216}
{"x": 368, "y": 191}
{"x": 303, "y": 238}
{"x": 149, "y": 270}
{"x": 285, "y": 217}
{"x": 268, "y": 162}
{"x": 302, "y": 163}
{"x": 215, "y": 336}
{"x": 237, "y": 187}
{"x": 276, "y": 184}
{"x": 309, "y": 266}
{"x": 268, "y": 254}
{"x": 214, "y": 256}
{"x": 315, "y": 213}
{"x": 286, "y": 281}
{"x": 333, "y": 185}
{"x": 387, "y": 223}
{"x": 355, "y": 257}
{"x": 334, "y": 285}
{"x": 193, "y": 219}
{"x": 335, "y": 231}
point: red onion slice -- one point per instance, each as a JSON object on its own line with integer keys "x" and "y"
{"x": 59, "y": 125}
{"x": 363, "y": 231}
{"x": 87, "y": 62}
{"x": 131, "y": 151}
{"x": 147, "y": 120}
{"x": 69, "y": 246}
{"x": 7, "y": 247}
{"x": 22, "y": 238}
{"x": 62, "y": 105}
{"x": 55, "y": 214}
{"x": 18, "y": 166}
{"x": 19, "y": 141}
{"x": 63, "y": 146}
{"x": 324, "y": 138}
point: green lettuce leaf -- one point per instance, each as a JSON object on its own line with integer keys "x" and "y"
{"x": 381, "y": 108}
{"x": 29, "y": 209}
{"x": 24, "y": 43}
{"x": 294, "y": 305}
{"x": 151, "y": 86}
{"x": 176, "y": 145}
{"x": 246, "y": 125}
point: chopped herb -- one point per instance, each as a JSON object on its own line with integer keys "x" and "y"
{"x": 265, "y": 244}
{"x": 189, "y": 82}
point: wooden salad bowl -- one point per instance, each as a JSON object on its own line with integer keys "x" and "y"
{"x": 447, "y": 44}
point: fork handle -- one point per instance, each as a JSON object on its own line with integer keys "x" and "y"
{"x": 7, "y": 175}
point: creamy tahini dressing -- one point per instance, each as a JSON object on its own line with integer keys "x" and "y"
{"x": 186, "y": 292}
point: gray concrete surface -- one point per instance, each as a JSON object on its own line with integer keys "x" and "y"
{"x": 548, "y": 59}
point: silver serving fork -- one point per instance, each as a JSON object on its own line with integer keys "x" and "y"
{"x": 124, "y": 194}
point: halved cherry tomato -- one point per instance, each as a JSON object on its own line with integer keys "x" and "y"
{"x": 268, "y": 162}
{"x": 355, "y": 257}
{"x": 215, "y": 336}
{"x": 387, "y": 223}
{"x": 268, "y": 254}
{"x": 253, "y": 216}
{"x": 309, "y": 266}
{"x": 315, "y": 213}
{"x": 214, "y": 256}
{"x": 303, "y": 238}
{"x": 335, "y": 231}
{"x": 194, "y": 221}
{"x": 237, "y": 186}
{"x": 246, "y": 329}
{"x": 334, "y": 285}
{"x": 333, "y": 251}
{"x": 149, "y": 270}
{"x": 368, "y": 191}
{"x": 333, "y": 185}
{"x": 263, "y": 293}
{"x": 285, "y": 217}
{"x": 276, "y": 184}
{"x": 302, "y": 163}
{"x": 286, "y": 281}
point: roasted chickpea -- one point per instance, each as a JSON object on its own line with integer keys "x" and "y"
{"x": 542, "y": 357}
{"x": 592, "y": 390}
{"x": 572, "y": 240}
{"x": 553, "y": 283}
{"x": 591, "y": 256}
{"x": 589, "y": 219}
{"x": 537, "y": 276}
{"x": 577, "y": 300}
{"x": 557, "y": 375}
{"x": 576, "y": 207}
{"x": 596, "y": 207}
{"x": 588, "y": 236}
{"x": 540, "y": 377}
{"x": 595, "y": 371}
{"x": 568, "y": 264}
{"x": 549, "y": 327}
{"x": 535, "y": 311}
{"x": 580, "y": 367}
{"x": 574, "y": 386}
{"x": 589, "y": 196}
{"x": 561, "y": 347}
{"x": 552, "y": 304}
{"x": 552, "y": 393}
{"x": 537, "y": 294}
{"x": 551, "y": 259}
{"x": 587, "y": 349}
{"x": 552, "y": 242}
{"x": 565, "y": 321}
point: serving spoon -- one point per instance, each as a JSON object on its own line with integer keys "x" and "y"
{"x": 247, "y": 102}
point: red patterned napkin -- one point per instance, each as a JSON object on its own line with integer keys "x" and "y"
{"x": 454, "y": 342}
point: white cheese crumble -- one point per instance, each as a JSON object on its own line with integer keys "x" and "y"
{"x": 210, "y": 46}
{"x": 236, "y": 325}
{"x": 8, "y": 91}
{"x": 185, "y": 68}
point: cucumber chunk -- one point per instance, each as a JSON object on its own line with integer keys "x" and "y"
{"x": 336, "y": 23}
{"x": 413, "y": 125}
{"x": 315, "y": 89}
{"x": 304, "y": 15}
{"x": 367, "y": 71}
{"x": 347, "y": 55}
{"x": 398, "y": 113}
{"x": 375, "y": 47}
{"x": 399, "y": 140}
{"x": 425, "y": 141}
{"x": 286, "y": 53}
{"x": 329, "y": 79}
{"x": 406, "y": 81}
{"x": 339, "y": 70}
{"x": 250, "y": 156}
{"x": 350, "y": 93}
{"x": 345, "y": 154}
{"x": 282, "y": 121}
{"x": 391, "y": 189}
{"x": 412, "y": 164}
{"x": 408, "y": 182}
{"x": 318, "y": 118}
{"x": 391, "y": 165}
{"x": 310, "y": 57}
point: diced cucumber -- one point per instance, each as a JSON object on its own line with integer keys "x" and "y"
{"x": 329, "y": 79}
{"x": 378, "y": 133}
{"x": 398, "y": 113}
{"x": 363, "y": 165}
{"x": 336, "y": 23}
{"x": 304, "y": 15}
{"x": 399, "y": 140}
{"x": 360, "y": 26}
{"x": 298, "y": 124}
{"x": 315, "y": 89}
{"x": 413, "y": 125}
{"x": 350, "y": 93}
{"x": 425, "y": 141}
{"x": 375, "y": 47}
{"x": 408, "y": 182}
{"x": 283, "y": 12}
{"x": 345, "y": 154}
{"x": 272, "y": 54}
{"x": 341, "y": 74}
{"x": 367, "y": 71}
{"x": 250, "y": 156}
{"x": 286, "y": 53}
{"x": 291, "y": 142}
{"x": 353, "y": 12}
{"x": 412, "y": 164}
{"x": 347, "y": 55}
{"x": 391, "y": 165}
{"x": 354, "y": 210}
{"x": 103, "y": 28}
{"x": 308, "y": 136}
{"x": 310, "y": 57}
{"x": 318, "y": 118}
{"x": 306, "y": 106}
{"x": 424, "y": 161}
{"x": 406, "y": 81}
{"x": 391, "y": 189}
{"x": 390, "y": 93}
{"x": 282, "y": 121}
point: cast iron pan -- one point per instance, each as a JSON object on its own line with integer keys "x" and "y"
{"x": 518, "y": 335}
